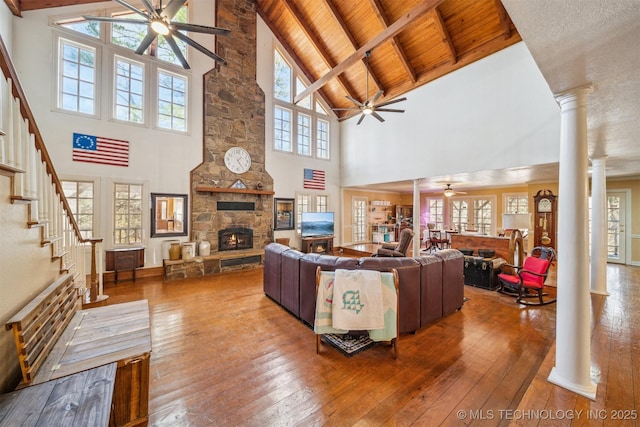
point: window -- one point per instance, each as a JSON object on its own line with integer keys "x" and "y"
{"x": 129, "y": 90}
{"x": 359, "y": 213}
{"x": 282, "y": 128}
{"x": 436, "y": 212}
{"x": 79, "y": 25}
{"x": 80, "y": 197}
{"x": 77, "y": 77}
{"x": 304, "y": 137}
{"x": 282, "y": 78}
{"x": 172, "y": 101}
{"x": 135, "y": 78}
{"x": 516, "y": 203}
{"x": 303, "y": 203}
{"x": 127, "y": 228}
{"x": 321, "y": 203}
{"x": 322, "y": 139}
{"x": 460, "y": 214}
{"x": 301, "y": 128}
{"x": 473, "y": 213}
{"x": 483, "y": 215}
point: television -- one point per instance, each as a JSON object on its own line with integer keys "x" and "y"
{"x": 315, "y": 224}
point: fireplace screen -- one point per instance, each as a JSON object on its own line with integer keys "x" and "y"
{"x": 231, "y": 239}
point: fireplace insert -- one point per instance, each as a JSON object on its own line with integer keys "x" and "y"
{"x": 231, "y": 239}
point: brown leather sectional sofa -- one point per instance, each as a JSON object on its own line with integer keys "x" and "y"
{"x": 430, "y": 286}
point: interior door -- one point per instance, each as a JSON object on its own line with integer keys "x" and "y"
{"x": 359, "y": 214}
{"x": 616, "y": 226}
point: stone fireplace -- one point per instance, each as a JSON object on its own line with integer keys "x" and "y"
{"x": 233, "y": 117}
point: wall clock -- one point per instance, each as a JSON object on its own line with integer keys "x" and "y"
{"x": 237, "y": 160}
{"x": 545, "y": 218}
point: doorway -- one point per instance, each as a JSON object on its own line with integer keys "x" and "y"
{"x": 616, "y": 226}
{"x": 359, "y": 215}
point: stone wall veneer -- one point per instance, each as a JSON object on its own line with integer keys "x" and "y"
{"x": 233, "y": 116}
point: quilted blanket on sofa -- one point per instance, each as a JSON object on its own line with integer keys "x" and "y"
{"x": 352, "y": 299}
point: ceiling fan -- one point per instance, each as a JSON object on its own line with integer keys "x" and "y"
{"x": 369, "y": 107}
{"x": 160, "y": 22}
{"x": 448, "y": 191}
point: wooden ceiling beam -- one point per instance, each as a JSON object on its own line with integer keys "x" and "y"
{"x": 444, "y": 33}
{"x": 395, "y": 28}
{"x": 44, "y": 4}
{"x": 14, "y": 7}
{"x": 343, "y": 25}
{"x": 395, "y": 42}
{"x": 315, "y": 41}
{"x": 505, "y": 19}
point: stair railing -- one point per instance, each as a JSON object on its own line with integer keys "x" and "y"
{"x": 34, "y": 181}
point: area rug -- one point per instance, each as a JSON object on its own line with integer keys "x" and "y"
{"x": 348, "y": 344}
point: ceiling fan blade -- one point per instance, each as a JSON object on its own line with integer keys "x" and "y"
{"x": 169, "y": 38}
{"x": 110, "y": 19}
{"x": 199, "y": 47}
{"x": 201, "y": 28}
{"x": 355, "y": 101}
{"x": 146, "y": 42}
{"x": 376, "y": 96}
{"x": 393, "y": 101}
{"x": 361, "y": 118}
{"x": 152, "y": 11}
{"x": 132, "y": 8}
{"x": 377, "y": 116}
{"x": 389, "y": 110}
{"x": 172, "y": 8}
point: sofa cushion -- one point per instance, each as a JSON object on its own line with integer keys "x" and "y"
{"x": 308, "y": 265}
{"x": 430, "y": 288}
{"x": 409, "y": 286}
{"x": 452, "y": 279}
{"x": 290, "y": 284}
{"x": 272, "y": 270}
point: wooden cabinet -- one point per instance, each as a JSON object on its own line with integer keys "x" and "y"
{"x": 317, "y": 245}
{"x": 124, "y": 259}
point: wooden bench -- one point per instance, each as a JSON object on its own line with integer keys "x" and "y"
{"x": 54, "y": 339}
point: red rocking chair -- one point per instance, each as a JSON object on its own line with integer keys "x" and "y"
{"x": 529, "y": 278}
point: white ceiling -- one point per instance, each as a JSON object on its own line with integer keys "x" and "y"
{"x": 575, "y": 43}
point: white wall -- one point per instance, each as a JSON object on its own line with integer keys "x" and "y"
{"x": 287, "y": 169}
{"x": 6, "y": 26}
{"x": 160, "y": 159}
{"x": 495, "y": 113}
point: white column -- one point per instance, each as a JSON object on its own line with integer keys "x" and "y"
{"x": 416, "y": 217}
{"x": 572, "y": 368}
{"x": 599, "y": 224}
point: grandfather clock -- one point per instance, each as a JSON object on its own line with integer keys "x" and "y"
{"x": 544, "y": 218}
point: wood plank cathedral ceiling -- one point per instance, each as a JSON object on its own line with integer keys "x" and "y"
{"x": 412, "y": 42}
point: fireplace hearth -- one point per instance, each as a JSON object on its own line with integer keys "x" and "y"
{"x": 231, "y": 239}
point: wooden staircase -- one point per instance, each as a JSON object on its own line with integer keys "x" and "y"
{"x": 33, "y": 181}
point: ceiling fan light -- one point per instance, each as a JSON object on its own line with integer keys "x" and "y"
{"x": 368, "y": 109}
{"x": 448, "y": 192}
{"x": 160, "y": 27}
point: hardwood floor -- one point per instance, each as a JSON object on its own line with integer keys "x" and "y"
{"x": 225, "y": 354}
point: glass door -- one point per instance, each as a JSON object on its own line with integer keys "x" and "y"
{"x": 359, "y": 215}
{"x": 616, "y": 225}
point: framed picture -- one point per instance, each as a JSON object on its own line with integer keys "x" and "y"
{"x": 284, "y": 214}
{"x": 168, "y": 215}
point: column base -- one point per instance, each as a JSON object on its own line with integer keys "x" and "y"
{"x": 599, "y": 292}
{"x": 588, "y": 392}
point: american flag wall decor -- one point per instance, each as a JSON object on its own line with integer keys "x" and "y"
{"x": 314, "y": 179}
{"x": 97, "y": 149}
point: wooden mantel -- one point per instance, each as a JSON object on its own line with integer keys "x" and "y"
{"x": 212, "y": 189}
